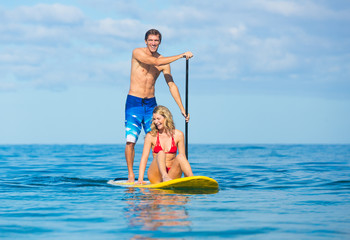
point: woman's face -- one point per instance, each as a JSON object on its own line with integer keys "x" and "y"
{"x": 159, "y": 121}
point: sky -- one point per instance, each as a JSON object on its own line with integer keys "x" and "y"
{"x": 263, "y": 71}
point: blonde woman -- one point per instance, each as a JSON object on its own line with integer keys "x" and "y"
{"x": 165, "y": 141}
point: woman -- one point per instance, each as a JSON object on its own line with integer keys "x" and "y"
{"x": 165, "y": 141}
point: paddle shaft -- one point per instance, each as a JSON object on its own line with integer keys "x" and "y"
{"x": 186, "y": 109}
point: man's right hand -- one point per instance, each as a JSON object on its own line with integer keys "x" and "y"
{"x": 187, "y": 55}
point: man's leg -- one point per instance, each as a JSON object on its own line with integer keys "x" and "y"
{"x": 150, "y": 104}
{"x": 133, "y": 118}
{"x": 129, "y": 156}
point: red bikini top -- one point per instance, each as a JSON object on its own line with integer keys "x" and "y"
{"x": 157, "y": 148}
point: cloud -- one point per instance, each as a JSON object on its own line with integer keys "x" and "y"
{"x": 301, "y": 8}
{"x": 40, "y": 24}
{"x": 57, "y": 46}
{"x": 237, "y": 31}
{"x": 270, "y": 42}
{"x": 53, "y": 14}
{"x": 286, "y": 8}
{"x": 233, "y": 42}
{"x": 270, "y": 55}
{"x": 125, "y": 28}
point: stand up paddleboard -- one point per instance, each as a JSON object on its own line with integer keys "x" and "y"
{"x": 186, "y": 183}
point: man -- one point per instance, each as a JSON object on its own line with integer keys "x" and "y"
{"x": 146, "y": 65}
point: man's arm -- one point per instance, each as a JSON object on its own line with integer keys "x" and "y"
{"x": 141, "y": 56}
{"x": 174, "y": 91}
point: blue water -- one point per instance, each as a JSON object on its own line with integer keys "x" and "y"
{"x": 266, "y": 192}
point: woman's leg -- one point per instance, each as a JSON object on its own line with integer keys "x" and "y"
{"x": 157, "y": 171}
{"x": 153, "y": 172}
{"x": 162, "y": 166}
{"x": 180, "y": 165}
{"x": 175, "y": 170}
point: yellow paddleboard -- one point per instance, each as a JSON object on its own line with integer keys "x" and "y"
{"x": 193, "y": 183}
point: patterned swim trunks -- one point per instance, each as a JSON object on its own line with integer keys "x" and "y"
{"x": 138, "y": 114}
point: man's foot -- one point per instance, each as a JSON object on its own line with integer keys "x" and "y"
{"x": 131, "y": 178}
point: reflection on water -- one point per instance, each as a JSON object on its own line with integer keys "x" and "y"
{"x": 153, "y": 209}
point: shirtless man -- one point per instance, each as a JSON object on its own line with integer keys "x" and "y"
{"x": 146, "y": 65}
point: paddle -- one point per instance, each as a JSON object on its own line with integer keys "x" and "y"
{"x": 186, "y": 109}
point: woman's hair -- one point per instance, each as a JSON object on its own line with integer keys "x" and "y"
{"x": 168, "y": 121}
{"x": 153, "y": 32}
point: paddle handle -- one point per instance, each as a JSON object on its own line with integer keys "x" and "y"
{"x": 186, "y": 110}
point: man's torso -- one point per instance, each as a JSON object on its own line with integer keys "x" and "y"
{"x": 143, "y": 78}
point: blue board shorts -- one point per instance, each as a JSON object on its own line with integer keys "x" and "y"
{"x": 138, "y": 114}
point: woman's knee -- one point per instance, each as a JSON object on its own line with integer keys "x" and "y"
{"x": 176, "y": 163}
{"x": 181, "y": 157}
{"x": 160, "y": 155}
{"x": 153, "y": 173}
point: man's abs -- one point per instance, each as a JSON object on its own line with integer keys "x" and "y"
{"x": 142, "y": 79}
{"x": 141, "y": 89}
{"x": 142, "y": 85}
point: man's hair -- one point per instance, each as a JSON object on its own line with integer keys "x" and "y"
{"x": 153, "y": 32}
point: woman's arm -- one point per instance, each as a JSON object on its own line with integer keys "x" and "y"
{"x": 144, "y": 158}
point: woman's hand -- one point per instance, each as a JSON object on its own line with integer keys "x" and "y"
{"x": 141, "y": 182}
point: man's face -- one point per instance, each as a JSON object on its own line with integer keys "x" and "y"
{"x": 152, "y": 43}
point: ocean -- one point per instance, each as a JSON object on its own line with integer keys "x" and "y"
{"x": 266, "y": 192}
